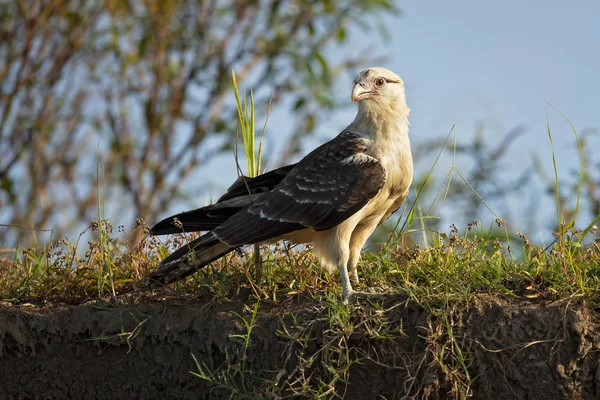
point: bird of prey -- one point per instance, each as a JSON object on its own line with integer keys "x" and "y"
{"x": 334, "y": 197}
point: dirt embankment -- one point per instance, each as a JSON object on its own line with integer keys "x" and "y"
{"x": 490, "y": 349}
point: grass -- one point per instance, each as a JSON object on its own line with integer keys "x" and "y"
{"x": 253, "y": 156}
{"x": 440, "y": 272}
{"x": 456, "y": 265}
{"x": 320, "y": 332}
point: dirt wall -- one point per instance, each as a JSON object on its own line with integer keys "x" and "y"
{"x": 490, "y": 348}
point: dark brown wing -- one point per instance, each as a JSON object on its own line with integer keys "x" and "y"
{"x": 241, "y": 194}
{"x": 201, "y": 219}
{"x": 261, "y": 184}
{"x": 328, "y": 186}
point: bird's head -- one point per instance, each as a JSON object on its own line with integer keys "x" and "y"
{"x": 378, "y": 85}
{"x": 381, "y": 101}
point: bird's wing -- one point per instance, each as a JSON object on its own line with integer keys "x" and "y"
{"x": 328, "y": 186}
{"x": 241, "y": 194}
{"x": 261, "y": 184}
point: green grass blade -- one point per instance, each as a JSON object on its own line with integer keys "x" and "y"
{"x": 556, "y": 184}
{"x": 589, "y": 228}
{"x": 408, "y": 221}
{"x": 581, "y": 160}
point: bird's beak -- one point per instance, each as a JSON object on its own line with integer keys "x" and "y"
{"x": 359, "y": 92}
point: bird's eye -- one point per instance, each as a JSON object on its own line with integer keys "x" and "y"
{"x": 379, "y": 82}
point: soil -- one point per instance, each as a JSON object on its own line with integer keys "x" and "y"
{"x": 510, "y": 349}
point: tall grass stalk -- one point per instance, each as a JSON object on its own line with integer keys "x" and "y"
{"x": 581, "y": 160}
{"x": 556, "y": 182}
{"x": 582, "y": 169}
{"x": 245, "y": 108}
{"x": 411, "y": 213}
{"x": 104, "y": 238}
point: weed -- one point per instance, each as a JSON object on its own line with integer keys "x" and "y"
{"x": 126, "y": 335}
{"x": 245, "y": 111}
{"x": 234, "y": 375}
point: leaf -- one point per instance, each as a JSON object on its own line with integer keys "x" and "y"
{"x": 299, "y": 103}
{"x": 340, "y": 35}
{"x": 143, "y": 45}
{"x": 7, "y": 186}
{"x": 324, "y": 65}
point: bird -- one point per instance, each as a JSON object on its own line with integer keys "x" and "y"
{"x": 333, "y": 198}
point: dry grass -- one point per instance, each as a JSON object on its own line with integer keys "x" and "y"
{"x": 456, "y": 265}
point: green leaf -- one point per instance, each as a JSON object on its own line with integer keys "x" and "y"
{"x": 299, "y": 103}
{"x": 7, "y": 186}
{"x": 143, "y": 45}
{"x": 340, "y": 35}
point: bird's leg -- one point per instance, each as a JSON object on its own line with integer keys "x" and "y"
{"x": 357, "y": 241}
{"x": 354, "y": 273}
{"x": 347, "y": 291}
{"x": 353, "y": 261}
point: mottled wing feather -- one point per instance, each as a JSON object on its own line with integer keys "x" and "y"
{"x": 241, "y": 194}
{"x": 201, "y": 219}
{"x": 260, "y": 184}
{"x": 186, "y": 260}
{"x": 328, "y": 186}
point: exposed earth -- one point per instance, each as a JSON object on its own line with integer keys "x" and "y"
{"x": 490, "y": 348}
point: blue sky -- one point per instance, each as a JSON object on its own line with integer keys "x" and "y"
{"x": 465, "y": 62}
{"x": 499, "y": 62}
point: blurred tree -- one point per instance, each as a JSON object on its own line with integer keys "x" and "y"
{"x": 125, "y": 96}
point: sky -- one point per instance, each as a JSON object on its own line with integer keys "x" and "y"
{"x": 466, "y": 62}
{"x": 500, "y": 62}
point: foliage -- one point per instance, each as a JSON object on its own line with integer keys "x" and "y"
{"x": 485, "y": 181}
{"x": 253, "y": 156}
{"x": 144, "y": 85}
{"x": 323, "y": 344}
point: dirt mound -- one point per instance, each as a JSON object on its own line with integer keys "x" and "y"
{"x": 487, "y": 349}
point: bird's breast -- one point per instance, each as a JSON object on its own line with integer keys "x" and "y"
{"x": 398, "y": 166}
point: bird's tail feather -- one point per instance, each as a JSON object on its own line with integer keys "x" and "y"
{"x": 186, "y": 260}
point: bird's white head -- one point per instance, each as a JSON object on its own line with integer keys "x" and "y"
{"x": 381, "y": 99}
{"x": 380, "y": 91}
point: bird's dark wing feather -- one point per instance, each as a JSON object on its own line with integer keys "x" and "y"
{"x": 261, "y": 184}
{"x": 328, "y": 186}
{"x": 241, "y": 194}
{"x": 186, "y": 260}
{"x": 201, "y": 219}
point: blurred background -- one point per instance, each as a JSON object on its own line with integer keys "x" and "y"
{"x": 122, "y": 109}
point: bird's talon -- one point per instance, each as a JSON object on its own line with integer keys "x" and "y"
{"x": 375, "y": 293}
{"x": 347, "y": 296}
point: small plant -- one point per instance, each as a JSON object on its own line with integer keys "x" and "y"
{"x": 253, "y": 156}
{"x": 126, "y": 335}
{"x": 234, "y": 375}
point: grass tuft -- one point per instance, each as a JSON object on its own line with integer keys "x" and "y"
{"x": 245, "y": 110}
